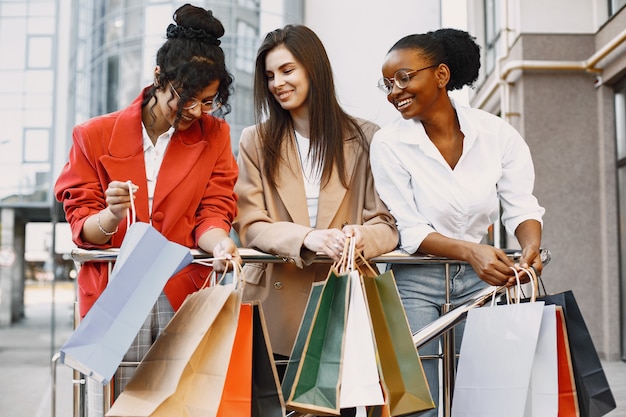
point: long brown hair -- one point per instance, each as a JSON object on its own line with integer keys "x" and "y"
{"x": 328, "y": 123}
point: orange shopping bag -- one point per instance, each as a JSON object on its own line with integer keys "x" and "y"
{"x": 568, "y": 400}
{"x": 237, "y": 395}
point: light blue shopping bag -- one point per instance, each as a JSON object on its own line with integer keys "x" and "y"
{"x": 145, "y": 262}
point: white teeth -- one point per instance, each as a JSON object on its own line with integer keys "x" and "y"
{"x": 403, "y": 103}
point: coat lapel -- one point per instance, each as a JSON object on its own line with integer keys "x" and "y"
{"x": 290, "y": 183}
{"x": 334, "y": 192}
{"x": 125, "y": 160}
{"x": 290, "y": 186}
{"x": 183, "y": 151}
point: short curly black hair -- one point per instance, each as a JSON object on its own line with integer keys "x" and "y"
{"x": 453, "y": 47}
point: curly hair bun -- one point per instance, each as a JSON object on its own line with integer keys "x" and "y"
{"x": 195, "y": 23}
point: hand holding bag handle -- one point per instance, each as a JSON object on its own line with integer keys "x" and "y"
{"x": 145, "y": 262}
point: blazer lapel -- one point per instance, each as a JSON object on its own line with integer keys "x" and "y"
{"x": 125, "y": 160}
{"x": 334, "y": 192}
{"x": 183, "y": 151}
{"x": 290, "y": 183}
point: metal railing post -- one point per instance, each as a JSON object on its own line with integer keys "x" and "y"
{"x": 449, "y": 352}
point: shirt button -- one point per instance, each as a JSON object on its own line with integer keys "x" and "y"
{"x": 278, "y": 285}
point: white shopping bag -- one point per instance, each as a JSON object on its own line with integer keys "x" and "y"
{"x": 543, "y": 393}
{"x": 496, "y": 360}
{"x": 360, "y": 383}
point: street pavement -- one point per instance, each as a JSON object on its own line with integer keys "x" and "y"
{"x": 27, "y": 347}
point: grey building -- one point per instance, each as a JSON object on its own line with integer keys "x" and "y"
{"x": 556, "y": 70}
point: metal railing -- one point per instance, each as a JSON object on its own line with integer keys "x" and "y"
{"x": 441, "y": 327}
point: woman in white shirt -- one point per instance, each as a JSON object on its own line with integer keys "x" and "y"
{"x": 443, "y": 170}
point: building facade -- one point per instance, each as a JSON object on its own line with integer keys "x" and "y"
{"x": 556, "y": 70}
{"x": 64, "y": 61}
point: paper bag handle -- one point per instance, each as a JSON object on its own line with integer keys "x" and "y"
{"x": 212, "y": 279}
{"x": 518, "y": 287}
{"x": 364, "y": 266}
{"x": 130, "y": 211}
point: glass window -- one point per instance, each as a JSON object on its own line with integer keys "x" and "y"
{"x": 13, "y": 9}
{"x": 39, "y": 82}
{"x": 492, "y": 32}
{"x": 36, "y": 145}
{"x": 246, "y": 47}
{"x": 620, "y": 122}
{"x": 620, "y": 136}
{"x": 248, "y": 3}
{"x": 39, "y": 52}
{"x": 41, "y": 8}
{"x": 41, "y": 25}
{"x": 13, "y": 43}
{"x": 615, "y": 6}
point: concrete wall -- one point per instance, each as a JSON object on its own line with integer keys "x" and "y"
{"x": 357, "y": 36}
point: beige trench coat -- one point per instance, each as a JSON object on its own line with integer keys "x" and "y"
{"x": 276, "y": 221}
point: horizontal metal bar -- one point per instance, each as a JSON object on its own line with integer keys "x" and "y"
{"x": 252, "y": 255}
{"x": 421, "y": 337}
{"x": 447, "y": 321}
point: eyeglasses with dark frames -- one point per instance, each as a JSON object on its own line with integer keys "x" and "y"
{"x": 208, "y": 106}
{"x": 401, "y": 79}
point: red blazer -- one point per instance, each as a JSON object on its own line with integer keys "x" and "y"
{"x": 194, "y": 191}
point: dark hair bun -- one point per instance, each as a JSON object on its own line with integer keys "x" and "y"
{"x": 195, "y": 23}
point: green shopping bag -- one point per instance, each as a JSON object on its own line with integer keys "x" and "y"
{"x": 401, "y": 373}
{"x": 301, "y": 338}
{"x": 316, "y": 383}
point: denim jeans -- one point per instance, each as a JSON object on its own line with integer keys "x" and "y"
{"x": 422, "y": 289}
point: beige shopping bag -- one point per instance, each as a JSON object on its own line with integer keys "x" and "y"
{"x": 183, "y": 374}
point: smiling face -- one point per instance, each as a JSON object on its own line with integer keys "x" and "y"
{"x": 169, "y": 104}
{"x": 287, "y": 79}
{"x": 425, "y": 87}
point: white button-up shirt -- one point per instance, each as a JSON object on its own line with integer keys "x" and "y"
{"x": 426, "y": 195}
{"x": 153, "y": 156}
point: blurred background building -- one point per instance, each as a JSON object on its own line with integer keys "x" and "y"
{"x": 555, "y": 69}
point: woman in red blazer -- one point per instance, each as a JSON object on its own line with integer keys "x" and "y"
{"x": 177, "y": 155}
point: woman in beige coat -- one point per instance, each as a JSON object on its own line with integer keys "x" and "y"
{"x": 304, "y": 180}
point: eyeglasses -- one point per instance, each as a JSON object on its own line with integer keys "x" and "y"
{"x": 401, "y": 79}
{"x": 208, "y": 106}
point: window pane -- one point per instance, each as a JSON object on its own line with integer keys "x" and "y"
{"x": 41, "y": 26}
{"x": 616, "y": 5}
{"x": 36, "y": 145}
{"x": 39, "y": 82}
{"x": 40, "y": 52}
{"x": 620, "y": 122}
{"x": 12, "y": 43}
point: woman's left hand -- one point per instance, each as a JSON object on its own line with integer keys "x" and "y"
{"x": 531, "y": 257}
{"x": 355, "y": 232}
{"x": 224, "y": 253}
